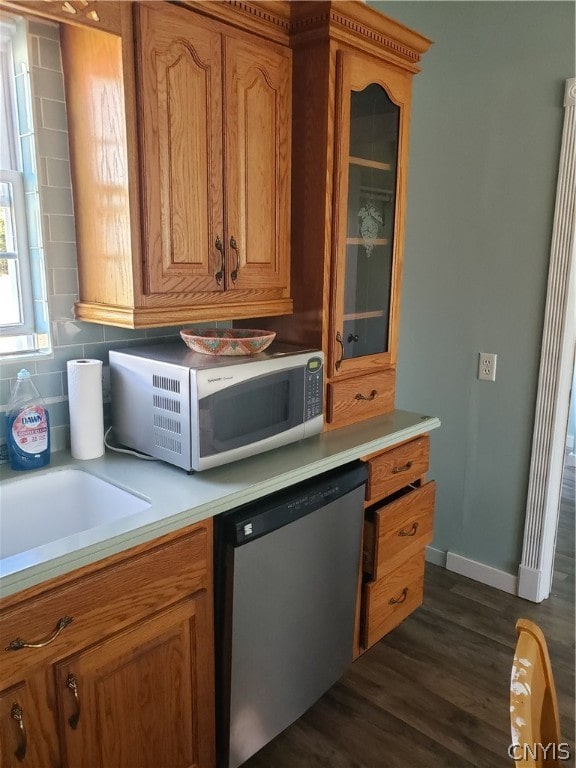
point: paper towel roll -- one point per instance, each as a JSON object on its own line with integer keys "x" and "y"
{"x": 86, "y": 408}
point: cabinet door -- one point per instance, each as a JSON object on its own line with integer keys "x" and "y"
{"x": 371, "y": 154}
{"x": 28, "y": 732}
{"x": 257, "y": 170}
{"x": 143, "y": 698}
{"x": 180, "y": 101}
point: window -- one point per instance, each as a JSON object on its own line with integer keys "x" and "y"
{"x": 23, "y": 328}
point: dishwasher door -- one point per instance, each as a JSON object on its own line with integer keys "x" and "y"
{"x": 286, "y": 590}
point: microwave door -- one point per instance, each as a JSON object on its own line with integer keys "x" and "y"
{"x": 250, "y": 412}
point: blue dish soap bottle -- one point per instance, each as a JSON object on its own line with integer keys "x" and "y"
{"x": 28, "y": 426}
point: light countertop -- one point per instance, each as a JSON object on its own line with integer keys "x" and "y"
{"x": 178, "y": 499}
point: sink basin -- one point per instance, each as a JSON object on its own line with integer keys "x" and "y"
{"x": 57, "y": 504}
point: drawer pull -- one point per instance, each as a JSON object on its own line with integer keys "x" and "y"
{"x": 410, "y": 532}
{"x": 234, "y": 246}
{"x": 371, "y": 396}
{"x": 339, "y": 340}
{"x": 72, "y": 683}
{"x": 401, "y": 599}
{"x": 18, "y": 644}
{"x": 16, "y": 713}
{"x": 405, "y": 468}
{"x": 219, "y": 276}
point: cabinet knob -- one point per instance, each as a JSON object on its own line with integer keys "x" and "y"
{"x": 353, "y": 337}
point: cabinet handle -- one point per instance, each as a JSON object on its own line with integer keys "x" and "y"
{"x": 405, "y": 468}
{"x": 16, "y": 713}
{"x": 339, "y": 340}
{"x": 410, "y": 532}
{"x": 401, "y": 599}
{"x": 72, "y": 683}
{"x": 234, "y": 246}
{"x": 371, "y": 396}
{"x": 18, "y": 644}
{"x": 219, "y": 245}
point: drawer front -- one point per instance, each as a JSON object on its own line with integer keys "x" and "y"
{"x": 361, "y": 398}
{"x": 389, "y": 600}
{"x": 104, "y": 602}
{"x": 391, "y": 470}
{"x": 399, "y": 530}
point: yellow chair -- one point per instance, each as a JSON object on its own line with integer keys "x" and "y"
{"x": 534, "y": 720}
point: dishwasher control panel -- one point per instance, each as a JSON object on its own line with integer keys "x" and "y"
{"x": 283, "y": 507}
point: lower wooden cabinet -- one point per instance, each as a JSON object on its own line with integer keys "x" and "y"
{"x": 128, "y": 682}
{"x": 398, "y": 526}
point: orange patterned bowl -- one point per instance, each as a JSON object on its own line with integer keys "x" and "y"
{"x": 227, "y": 341}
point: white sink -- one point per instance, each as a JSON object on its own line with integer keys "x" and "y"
{"x": 45, "y": 508}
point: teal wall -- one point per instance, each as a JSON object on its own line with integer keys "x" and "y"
{"x": 485, "y": 138}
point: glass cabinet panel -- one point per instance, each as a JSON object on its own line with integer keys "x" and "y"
{"x": 372, "y": 175}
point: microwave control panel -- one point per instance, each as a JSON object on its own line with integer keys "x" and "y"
{"x": 313, "y": 387}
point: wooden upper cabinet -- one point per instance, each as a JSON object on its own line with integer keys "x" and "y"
{"x": 203, "y": 127}
{"x": 181, "y": 151}
{"x": 371, "y": 147}
{"x": 352, "y": 73}
{"x": 257, "y": 172}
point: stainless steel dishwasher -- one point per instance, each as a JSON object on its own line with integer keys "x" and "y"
{"x": 286, "y": 589}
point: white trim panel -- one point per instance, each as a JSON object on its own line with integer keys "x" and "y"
{"x": 486, "y": 574}
{"x": 555, "y": 378}
{"x": 436, "y": 556}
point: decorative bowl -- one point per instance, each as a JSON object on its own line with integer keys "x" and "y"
{"x": 227, "y": 341}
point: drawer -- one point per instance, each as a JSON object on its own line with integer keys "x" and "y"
{"x": 398, "y": 530}
{"x": 389, "y": 600}
{"x": 392, "y": 470}
{"x": 104, "y": 602}
{"x": 361, "y": 397}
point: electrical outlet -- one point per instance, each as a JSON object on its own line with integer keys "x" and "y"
{"x": 487, "y": 366}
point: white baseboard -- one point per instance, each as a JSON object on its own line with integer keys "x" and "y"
{"x": 486, "y": 574}
{"x": 436, "y": 556}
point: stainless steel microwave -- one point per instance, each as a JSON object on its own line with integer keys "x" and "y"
{"x": 199, "y": 411}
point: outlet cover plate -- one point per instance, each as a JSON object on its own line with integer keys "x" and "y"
{"x": 487, "y": 366}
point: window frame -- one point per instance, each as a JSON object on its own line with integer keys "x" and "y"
{"x": 27, "y": 323}
{"x": 29, "y": 337}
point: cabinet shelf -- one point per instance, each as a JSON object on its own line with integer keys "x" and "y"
{"x": 364, "y": 315}
{"x": 367, "y": 241}
{"x": 370, "y": 163}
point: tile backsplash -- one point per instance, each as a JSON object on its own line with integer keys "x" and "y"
{"x": 71, "y": 339}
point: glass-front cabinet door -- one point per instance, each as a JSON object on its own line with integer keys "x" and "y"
{"x": 371, "y": 146}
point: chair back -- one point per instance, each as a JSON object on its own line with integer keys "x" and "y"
{"x": 534, "y": 720}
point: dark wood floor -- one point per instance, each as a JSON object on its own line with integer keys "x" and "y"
{"x": 434, "y": 693}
